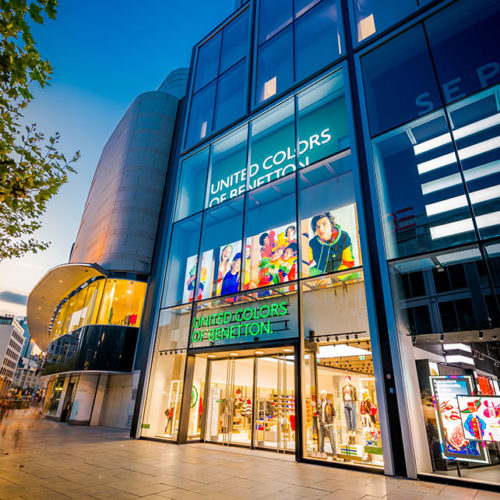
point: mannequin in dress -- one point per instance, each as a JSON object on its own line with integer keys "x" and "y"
{"x": 326, "y": 421}
{"x": 349, "y": 397}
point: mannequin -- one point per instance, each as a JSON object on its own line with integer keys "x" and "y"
{"x": 169, "y": 413}
{"x": 326, "y": 419}
{"x": 368, "y": 410}
{"x": 349, "y": 396}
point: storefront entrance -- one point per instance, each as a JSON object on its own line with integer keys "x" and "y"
{"x": 251, "y": 400}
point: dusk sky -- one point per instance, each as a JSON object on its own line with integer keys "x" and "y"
{"x": 104, "y": 53}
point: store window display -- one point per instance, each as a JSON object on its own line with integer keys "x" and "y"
{"x": 341, "y": 422}
{"x": 162, "y": 414}
{"x": 451, "y": 361}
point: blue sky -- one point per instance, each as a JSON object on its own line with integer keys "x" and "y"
{"x": 104, "y": 53}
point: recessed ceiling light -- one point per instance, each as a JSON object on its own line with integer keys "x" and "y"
{"x": 234, "y": 354}
{"x": 259, "y": 352}
{"x": 211, "y": 355}
{"x": 288, "y": 350}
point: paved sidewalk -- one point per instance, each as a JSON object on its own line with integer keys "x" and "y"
{"x": 49, "y": 460}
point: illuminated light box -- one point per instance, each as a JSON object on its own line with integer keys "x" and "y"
{"x": 340, "y": 351}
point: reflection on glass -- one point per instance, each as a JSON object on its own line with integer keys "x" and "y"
{"x": 272, "y": 146}
{"x": 271, "y": 242}
{"x": 452, "y": 286}
{"x": 329, "y": 228}
{"x": 302, "y": 6}
{"x": 274, "y": 15}
{"x": 191, "y": 190}
{"x": 228, "y": 167}
{"x": 274, "y": 66}
{"x": 464, "y": 45}
{"x": 493, "y": 301}
{"x": 317, "y": 39}
{"x": 231, "y": 96}
{"x": 419, "y": 182}
{"x": 373, "y": 16}
{"x": 476, "y": 132}
{"x": 341, "y": 418}
{"x": 323, "y": 128}
{"x": 402, "y": 63}
{"x": 208, "y": 62}
{"x": 182, "y": 262}
{"x": 235, "y": 41}
{"x": 220, "y": 271}
{"x": 162, "y": 409}
{"x": 198, "y": 405}
{"x": 201, "y": 114}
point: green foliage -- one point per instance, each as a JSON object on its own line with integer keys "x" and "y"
{"x": 31, "y": 168}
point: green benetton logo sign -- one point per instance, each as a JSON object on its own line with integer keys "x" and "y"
{"x": 245, "y": 322}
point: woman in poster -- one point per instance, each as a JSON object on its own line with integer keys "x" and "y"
{"x": 224, "y": 266}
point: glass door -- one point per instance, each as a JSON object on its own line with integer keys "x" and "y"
{"x": 274, "y": 426}
{"x": 229, "y": 404}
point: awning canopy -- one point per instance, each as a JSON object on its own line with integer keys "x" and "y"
{"x": 58, "y": 283}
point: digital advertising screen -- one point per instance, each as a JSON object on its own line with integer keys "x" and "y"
{"x": 271, "y": 257}
{"x": 454, "y": 444}
{"x": 331, "y": 241}
{"x": 480, "y": 417}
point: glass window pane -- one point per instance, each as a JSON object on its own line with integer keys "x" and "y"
{"x": 207, "y": 65}
{"x": 182, "y": 262}
{"x": 122, "y": 303}
{"x": 374, "y": 16}
{"x": 402, "y": 63}
{"x": 317, "y": 39}
{"x": 271, "y": 241}
{"x": 201, "y": 114}
{"x": 221, "y": 250}
{"x": 493, "y": 300}
{"x": 94, "y": 297}
{"x": 191, "y": 192}
{"x": 231, "y": 95}
{"x": 234, "y": 41}
{"x": 323, "y": 126}
{"x": 228, "y": 167}
{"x": 464, "y": 44}
{"x": 162, "y": 409}
{"x": 275, "y": 66}
{"x": 302, "y": 6}
{"x": 272, "y": 146}
{"x": 421, "y": 194}
{"x": 476, "y": 130}
{"x": 274, "y": 15}
{"x": 328, "y": 227}
{"x": 340, "y": 398}
{"x": 454, "y": 305}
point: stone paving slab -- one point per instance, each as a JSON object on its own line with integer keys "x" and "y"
{"x": 55, "y": 461}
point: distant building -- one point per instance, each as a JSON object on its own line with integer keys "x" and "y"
{"x": 11, "y": 344}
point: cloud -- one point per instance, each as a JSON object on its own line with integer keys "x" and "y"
{"x": 14, "y": 298}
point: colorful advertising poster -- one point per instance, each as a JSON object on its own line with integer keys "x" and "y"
{"x": 190, "y": 279}
{"x": 271, "y": 257}
{"x": 228, "y": 269}
{"x": 480, "y": 417}
{"x": 454, "y": 445}
{"x": 219, "y": 274}
{"x": 331, "y": 241}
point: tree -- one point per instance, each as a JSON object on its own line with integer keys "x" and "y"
{"x": 31, "y": 168}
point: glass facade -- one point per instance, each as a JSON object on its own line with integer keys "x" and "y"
{"x": 272, "y": 324}
{"x": 435, "y": 155}
{"x": 101, "y": 302}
